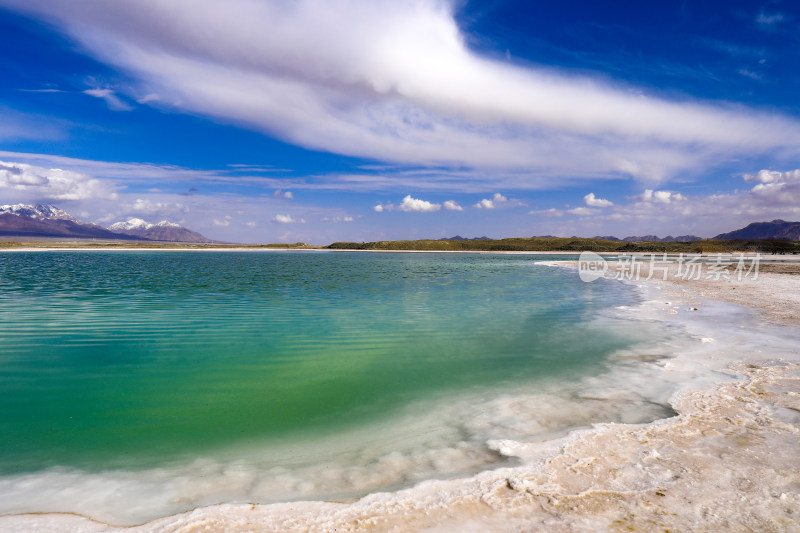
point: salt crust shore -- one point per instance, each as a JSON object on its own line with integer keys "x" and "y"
{"x": 727, "y": 462}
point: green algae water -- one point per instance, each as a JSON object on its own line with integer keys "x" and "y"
{"x": 131, "y": 370}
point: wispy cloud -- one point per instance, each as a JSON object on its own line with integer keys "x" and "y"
{"x": 41, "y": 90}
{"x": 395, "y": 81}
{"x": 769, "y": 20}
{"x": 552, "y": 212}
{"x": 111, "y": 99}
{"x": 288, "y": 219}
{"x": 750, "y": 74}
{"x": 15, "y": 125}
{"x": 257, "y": 168}
{"x": 149, "y": 207}
{"x": 146, "y": 99}
{"x": 735, "y": 50}
{"x": 132, "y": 172}
{"x": 582, "y": 211}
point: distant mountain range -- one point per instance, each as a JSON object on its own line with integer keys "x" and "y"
{"x": 460, "y": 238}
{"x": 163, "y": 231}
{"x": 777, "y": 229}
{"x": 43, "y": 220}
{"x": 640, "y": 238}
{"x": 654, "y": 238}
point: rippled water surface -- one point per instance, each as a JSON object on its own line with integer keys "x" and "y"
{"x": 112, "y": 360}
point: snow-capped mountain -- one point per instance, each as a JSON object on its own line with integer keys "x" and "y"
{"x": 38, "y": 212}
{"x": 48, "y": 221}
{"x": 137, "y": 224}
{"x": 130, "y": 224}
{"x": 162, "y": 231}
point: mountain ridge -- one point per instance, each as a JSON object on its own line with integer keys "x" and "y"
{"x": 161, "y": 231}
{"x": 47, "y": 220}
{"x": 774, "y": 229}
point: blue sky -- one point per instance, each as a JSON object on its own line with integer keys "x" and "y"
{"x": 324, "y": 120}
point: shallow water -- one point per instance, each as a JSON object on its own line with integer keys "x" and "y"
{"x": 140, "y": 384}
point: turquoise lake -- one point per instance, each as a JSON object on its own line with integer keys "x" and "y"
{"x": 139, "y": 361}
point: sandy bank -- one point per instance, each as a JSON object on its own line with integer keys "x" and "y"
{"x": 774, "y": 290}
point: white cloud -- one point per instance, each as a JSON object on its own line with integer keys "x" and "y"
{"x": 452, "y": 205}
{"x": 775, "y": 194}
{"x": 283, "y": 194}
{"x": 29, "y": 181}
{"x": 222, "y": 223}
{"x": 288, "y": 219}
{"x": 395, "y": 81}
{"x": 411, "y": 205}
{"x": 492, "y": 203}
{"x": 661, "y": 197}
{"x": 252, "y": 224}
{"x": 769, "y": 176}
{"x": 779, "y": 188}
{"x": 592, "y": 201}
{"x": 112, "y": 100}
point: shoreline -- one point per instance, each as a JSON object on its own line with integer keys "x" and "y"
{"x": 691, "y": 471}
{"x": 243, "y": 249}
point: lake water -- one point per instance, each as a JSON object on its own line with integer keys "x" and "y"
{"x": 139, "y": 384}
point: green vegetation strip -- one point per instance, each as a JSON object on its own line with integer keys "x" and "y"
{"x": 556, "y": 244}
{"x": 539, "y": 244}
